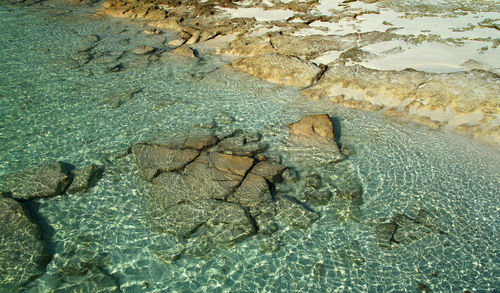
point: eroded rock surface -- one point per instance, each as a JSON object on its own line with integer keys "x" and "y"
{"x": 22, "y": 252}
{"x": 221, "y": 193}
{"x": 280, "y": 69}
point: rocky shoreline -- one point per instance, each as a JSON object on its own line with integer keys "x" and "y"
{"x": 273, "y": 49}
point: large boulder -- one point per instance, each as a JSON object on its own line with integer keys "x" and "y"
{"x": 42, "y": 181}
{"x": 280, "y": 69}
{"x": 22, "y": 252}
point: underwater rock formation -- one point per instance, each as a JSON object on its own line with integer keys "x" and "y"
{"x": 23, "y": 255}
{"x": 404, "y": 230}
{"x": 41, "y": 181}
{"x": 48, "y": 180}
{"x": 219, "y": 190}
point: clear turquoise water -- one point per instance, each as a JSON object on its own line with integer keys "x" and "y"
{"x": 52, "y": 111}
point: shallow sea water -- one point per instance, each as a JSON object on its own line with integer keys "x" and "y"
{"x": 53, "y": 110}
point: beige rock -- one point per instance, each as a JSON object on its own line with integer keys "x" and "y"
{"x": 184, "y": 51}
{"x": 279, "y": 69}
{"x": 312, "y": 126}
{"x": 177, "y": 42}
{"x": 142, "y": 50}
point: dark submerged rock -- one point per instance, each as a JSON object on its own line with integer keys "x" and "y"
{"x": 23, "y": 255}
{"x": 294, "y": 213}
{"x": 41, "y": 181}
{"x": 84, "y": 179}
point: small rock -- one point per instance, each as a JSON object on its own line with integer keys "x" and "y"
{"x": 271, "y": 171}
{"x": 177, "y": 42}
{"x": 313, "y": 126}
{"x": 152, "y": 31}
{"x": 185, "y": 51}
{"x": 143, "y": 50}
{"x": 84, "y": 179}
{"x": 224, "y": 118}
{"x": 408, "y": 230}
{"x": 319, "y": 197}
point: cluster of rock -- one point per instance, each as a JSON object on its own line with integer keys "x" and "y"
{"x": 463, "y": 101}
{"x": 223, "y": 189}
{"x": 23, "y": 255}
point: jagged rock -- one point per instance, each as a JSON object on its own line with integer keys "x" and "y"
{"x": 177, "y": 42}
{"x": 185, "y": 51}
{"x": 84, "y": 179}
{"x": 222, "y": 221}
{"x": 42, "y": 181}
{"x": 313, "y": 126}
{"x": 143, "y": 50}
{"x": 152, "y": 159}
{"x": 229, "y": 222}
{"x": 408, "y": 230}
{"x": 279, "y": 69}
{"x": 22, "y": 252}
{"x": 295, "y": 214}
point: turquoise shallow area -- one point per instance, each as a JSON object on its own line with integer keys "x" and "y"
{"x": 52, "y": 109}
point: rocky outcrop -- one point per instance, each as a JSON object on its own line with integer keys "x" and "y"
{"x": 404, "y": 230}
{"x": 222, "y": 192}
{"x": 42, "y": 181}
{"x": 279, "y": 69}
{"x": 22, "y": 252}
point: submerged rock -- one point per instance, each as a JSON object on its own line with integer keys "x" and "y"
{"x": 294, "y": 213}
{"x": 185, "y": 51}
{"x": 23, "y": 255}
{"x": 404, "y": 230}
{"x": 84, "y": 179}
{"x": 143, "y": 50}
{"x": 152, "y": 159}
{"x": 41, "y": 181}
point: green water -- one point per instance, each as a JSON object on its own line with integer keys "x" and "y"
{"x": 55, "y": 107}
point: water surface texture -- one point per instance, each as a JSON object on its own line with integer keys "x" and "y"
{"x": 57, "y": 103}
